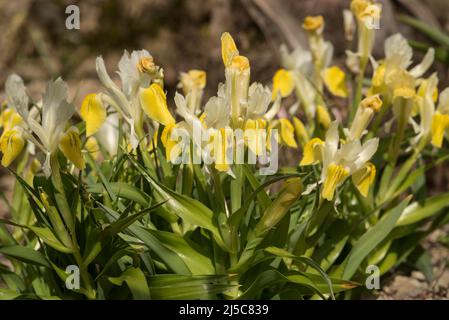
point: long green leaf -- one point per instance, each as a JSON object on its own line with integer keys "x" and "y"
{"x": 372, "y": 238}
{"x": 136, "y": 281}
{"x": 25, "y": 254}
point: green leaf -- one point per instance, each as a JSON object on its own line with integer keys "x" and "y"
{"x": 25, "y": 254}
{"x": 170, "y": 258}
{"x": 176, "y": 287}
{"x": 305, "y": 260}
{"x": 423, "y": 262}
{"x": 186, "y": 208}
{"x": 416, "y": 212}
{"x": 198, "y": 264}
{"x": 45, "y": 234}
{"x": 136, "y": 281}
{"x": 49, "y": 238}
{"x": 8, "y": 294}
{"x": 122, "y": 190}
{"x": 305, "y": 284}
{"x": 433, "y": 33}
{"x": 372, "y": 238}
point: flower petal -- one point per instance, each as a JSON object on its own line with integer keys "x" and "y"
{"x": 335, "y": 80}
{"x": 154, "y": 103}
{"x": 313, "y": 152}
{"x": 323, "y": 116}
{"x": 70, "y": 145}
{"x": 228, "y": 48}
{"x": 335, "y": 176}
{"x": 283, "y": 83}
{"x": 287, "y": 133}
{"x": 93, "y": 113}
{"x": 440, "y": 123}
{"x": 11, "y": 145}
{"x": 364, "y": 177}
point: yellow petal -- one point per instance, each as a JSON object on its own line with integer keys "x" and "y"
{"x": 221, "y": 145}
{"x": 172, "y": 146}
{"x": 335, "y": 176}
{"x": 300, "y": 130}
{"x": 154, "y": 103}
{"x": 93, "y": 113}
{"x": 228, "y": 48}
{"x": 335, "y": 80}
{"x": 313, "y": 152}
{"x": 283, "y": 83}
{"x": 92, "y": 147}
{"x": 287, "y": 133}
{"x": 379, "y": 76}
{"x": 364, "y": 177}
{"x": 70, "y": 145}
{"x": 440, "y": 123}
{"x": 9, "y": 118}
{"x": 254, "y": 134}
{"x": 11, "y": 144}
{"x": 323, "y": 116}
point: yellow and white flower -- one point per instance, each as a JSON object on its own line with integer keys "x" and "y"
{"x": 340, "y": 161}
{"x": 47, "y": 133}
{"x": 141, "y": 92}
{"x": 425, "y": 103}
{"x": 398, "y": 58}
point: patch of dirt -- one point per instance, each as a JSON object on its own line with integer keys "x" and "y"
{"x": 412, "y": 284}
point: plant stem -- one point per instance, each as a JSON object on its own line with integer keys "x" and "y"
{"x": 358, "y": 91}
{"x": 69, "y": 219}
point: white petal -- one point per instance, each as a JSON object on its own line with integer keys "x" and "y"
{"x": 16, "y": 95}
{"x": 183, "y": 110}
{"x": 328, "y": 54}
{"x": 114, "y": 92}
{"x": 369, "y": 148}
{"x": 349, "y": 24}
{"x": 330, "y": 147}
{"x": 425, "y": 64}
{"x": 332, "y": 137}
{"x": 353, "y": 61}
{"x": 259, "y": 98}
{"x": 274, "y": 110}
{"x": 398, "y": 49}
{"x": 443, "y": 104}
{"x": 217, "y": 113}
{"x": 108, "y": 134}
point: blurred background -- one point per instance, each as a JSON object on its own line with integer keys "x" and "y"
{"x": 185, "y": 34}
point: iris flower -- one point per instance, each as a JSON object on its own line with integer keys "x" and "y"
{"x": 341, "y": 161}
{"x": 46, "y": 129}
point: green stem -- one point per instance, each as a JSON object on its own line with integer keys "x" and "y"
{"x": 69, "y": 219}
{"x": 358, "y": 91}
